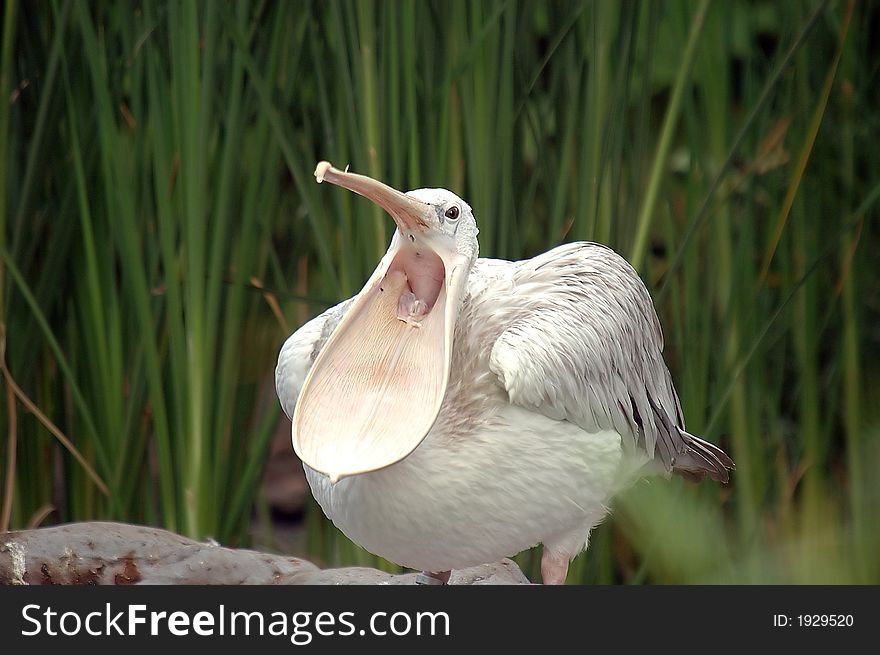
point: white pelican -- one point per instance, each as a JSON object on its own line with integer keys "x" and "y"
{"x": 459, "y": 410}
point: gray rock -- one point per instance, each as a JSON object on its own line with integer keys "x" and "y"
{"x": 501, "y": 573}
{"x": 100, "y": 553}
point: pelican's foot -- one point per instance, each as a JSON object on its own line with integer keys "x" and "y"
{"x": 554, "y": 567}
{"x": 429, "y": 577}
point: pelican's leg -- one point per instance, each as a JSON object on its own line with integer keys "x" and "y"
{"x": 554, "y": 567}
{"x": 429, "y": 577}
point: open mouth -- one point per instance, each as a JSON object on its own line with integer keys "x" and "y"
{"x": 417, "y": 276}
{"x": 374, "y": 391}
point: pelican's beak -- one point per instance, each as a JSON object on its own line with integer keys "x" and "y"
{"x": 376, "y": 388}
{"x": 409, "y": 214}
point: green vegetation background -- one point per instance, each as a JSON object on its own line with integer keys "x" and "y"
{"x": 161, "y": 233}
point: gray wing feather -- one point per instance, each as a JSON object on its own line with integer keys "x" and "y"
{"x": 585, "y": 345}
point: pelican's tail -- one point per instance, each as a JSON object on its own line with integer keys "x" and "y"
{"x": 701, "y": 459}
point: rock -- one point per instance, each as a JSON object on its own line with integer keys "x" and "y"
{"x": 501, "y": 573}
{"x": 94, "y": 553}
{"x": 118, "y": 553}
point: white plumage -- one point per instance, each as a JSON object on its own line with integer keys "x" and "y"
{"x": 557, "y": 397}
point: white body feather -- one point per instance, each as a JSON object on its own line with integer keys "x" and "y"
{"x": 523, "y": 481}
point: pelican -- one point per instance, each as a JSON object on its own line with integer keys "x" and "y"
{"x": 459, "y": 409}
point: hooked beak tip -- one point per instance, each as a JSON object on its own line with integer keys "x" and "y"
{"x": 321, "y": 169}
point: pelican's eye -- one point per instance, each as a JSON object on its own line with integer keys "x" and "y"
{"x": 452, "y": 213}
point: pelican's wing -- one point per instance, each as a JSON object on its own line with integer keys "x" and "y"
{"x": 584, "y": 344}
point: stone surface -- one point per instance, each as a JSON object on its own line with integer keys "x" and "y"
{"x": 504, "y": 572}
{"x": 93, "y": 553}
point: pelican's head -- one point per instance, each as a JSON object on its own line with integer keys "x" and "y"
{"x": 375, "y": 390}
{"x": 449, "y": 226}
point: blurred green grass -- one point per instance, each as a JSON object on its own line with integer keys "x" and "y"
{"x": 161, "y": 233}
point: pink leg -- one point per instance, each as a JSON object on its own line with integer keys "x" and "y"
{"x": 429, "y": 577}
{"x": 554, "y": 567}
